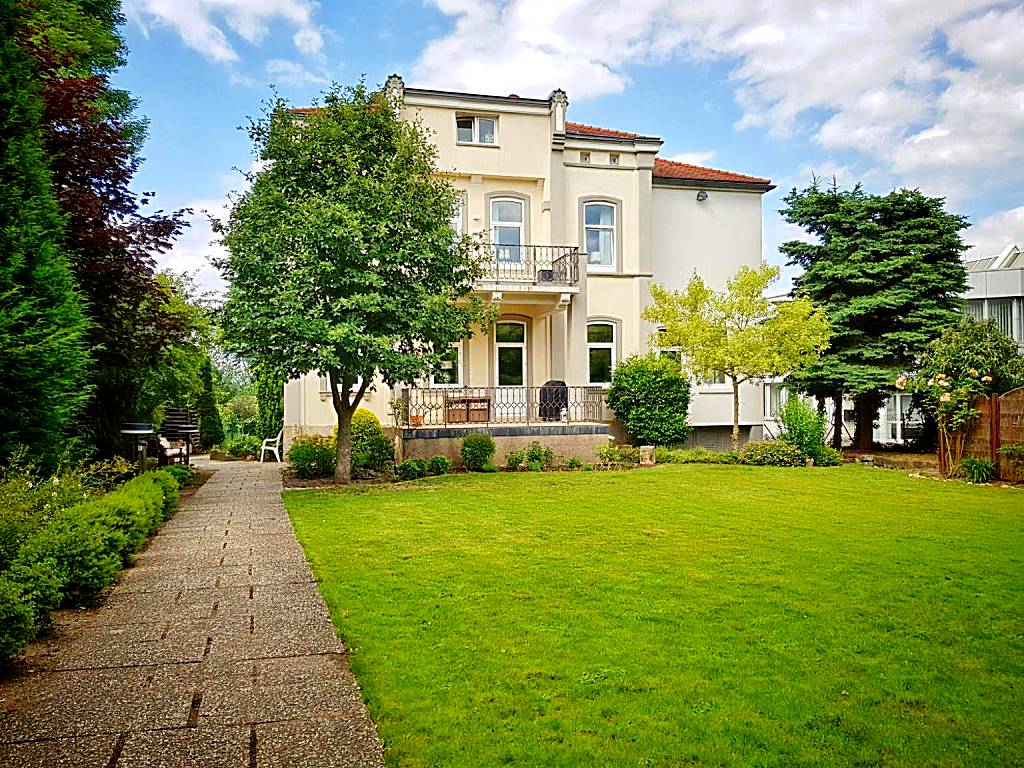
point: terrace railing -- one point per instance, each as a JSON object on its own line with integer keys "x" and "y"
{"x": 468, "y": 406}
{"x": 534, "y": 264}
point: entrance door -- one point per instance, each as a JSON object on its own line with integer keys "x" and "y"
{"x": 510, "y": 372}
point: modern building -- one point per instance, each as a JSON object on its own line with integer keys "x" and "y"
{"x": 581, "y": 221}
{"x": 995, "y": 290}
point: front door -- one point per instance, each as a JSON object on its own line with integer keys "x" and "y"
{"x": 510, "y": 399}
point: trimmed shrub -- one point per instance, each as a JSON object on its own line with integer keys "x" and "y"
{"x": 17, "y": 620}
{"x": 694, "y": 456}
{"x": 312, "y": 456}
{"x": 488, "y": 467}
{"x": 651, "y": 396}
{"x": 477, "y": 451}
{"x": 618, "y": 455}
{"x": 771, "y": 453}
{"x": 182, "y": 473}
{"x": 372, "y": 450}
{"x": 411, "y": 469}
{"x": 827, "y": 456}
{"x": 439, "y": 465}
{"x": 79, "y": 551}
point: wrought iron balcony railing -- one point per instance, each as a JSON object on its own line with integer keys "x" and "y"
{"x": 552, "y": 403}
{"x": 534, "y": 264}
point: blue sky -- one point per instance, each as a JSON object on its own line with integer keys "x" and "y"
{"x": 920, "y": 93}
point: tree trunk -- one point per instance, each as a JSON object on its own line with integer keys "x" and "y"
{"x": 866, "y": 406}
{"x": 735, "y": 415}
{"x": 837, "y": 421}
{"x": 343, "y": 469}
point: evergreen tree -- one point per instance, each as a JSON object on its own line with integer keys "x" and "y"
{"x": 43, "y": 359}
{"x": 270, "y": 402}
{"x": 887, "y": 270}
{"x": 211, "y": 431}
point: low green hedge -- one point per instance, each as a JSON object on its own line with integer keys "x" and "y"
{"x": 78, "y": 553}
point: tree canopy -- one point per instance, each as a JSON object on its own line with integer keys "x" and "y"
{"x": 887, "y": 270}
{"x": 342, "y": 258}
{"x": 738, "y": 332}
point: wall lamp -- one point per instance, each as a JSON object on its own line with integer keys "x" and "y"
{"x": 702, "y": 196}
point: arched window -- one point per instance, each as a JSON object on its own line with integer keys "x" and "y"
{"x": 508, "y": 228}
{"x": 600, "y": 351}
{"x": 599, "y": 234}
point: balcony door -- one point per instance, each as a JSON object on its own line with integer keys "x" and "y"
{"x": 510, "y": 372}
{"x": 508, "y": 235}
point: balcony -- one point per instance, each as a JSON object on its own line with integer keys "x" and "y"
{"x": 553, "y": 404}
{"x": 554, "y": 266}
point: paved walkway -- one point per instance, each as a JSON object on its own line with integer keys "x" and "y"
{"x": 214, "y": 650}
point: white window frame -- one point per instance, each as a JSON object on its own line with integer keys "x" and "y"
{"x": 613, "y": 158}
{"x": 476, "y": 130}
{"x": 585, "y": 158}
{"x": 610, "y": 345}
{"x": 499, "y": 345}
{"x": 325, "y": 384}
{"x": 599, "y": 267}
{"x": 508, "y": 225}
{"x": 457, "y": 346}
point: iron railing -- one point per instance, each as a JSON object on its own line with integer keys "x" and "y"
{"x": 534, "y": 264}
{"x": 468, "y": 406}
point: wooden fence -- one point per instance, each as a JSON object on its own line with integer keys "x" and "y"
{"x": 1001, "y": 423}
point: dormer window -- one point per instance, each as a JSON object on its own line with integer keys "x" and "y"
{"x": 476, "y": 130}
{"x": 584, "y": 157}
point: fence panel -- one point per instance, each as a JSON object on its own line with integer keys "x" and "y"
{"x": 1011, "y": 430}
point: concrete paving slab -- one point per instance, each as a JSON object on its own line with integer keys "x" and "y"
{"x": 84, "y": 752}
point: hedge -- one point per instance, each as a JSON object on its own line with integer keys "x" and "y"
{"x": 77, "y": 553}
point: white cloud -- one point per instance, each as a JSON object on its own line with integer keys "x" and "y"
{"x": 293, "y": 73}
{"x": 200, "y": 23}
{"x": 990, "y": 235}
{"x": 930, "y": 91}
{"x": 694, "y": 158}
{"x": 197, "y": 245}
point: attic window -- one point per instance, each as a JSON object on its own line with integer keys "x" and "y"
{"x": 584, "y": 157}
{"x": 613, "y": 158}
{"x": 476, "y": 130}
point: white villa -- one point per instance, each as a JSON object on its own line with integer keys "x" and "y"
{"x": 582, "y": 221}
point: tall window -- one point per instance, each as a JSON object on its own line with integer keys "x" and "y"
{"x": 507, "y": 228}
{"x": 457, "y": 220}
{"x": 601, "y": 351}
{"x": 475, "y": 130}
{"x": 510, "y": 343}
{"x": 1002, "y": 312}
{"x": 449, "y": 374}
{"x": 599, "y": 232}
{"x": 975, "y": 309}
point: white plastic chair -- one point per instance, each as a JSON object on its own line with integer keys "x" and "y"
{"x": 272, "y": 444}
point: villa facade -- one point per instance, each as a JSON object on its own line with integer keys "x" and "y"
{"x": 581, "y": 221}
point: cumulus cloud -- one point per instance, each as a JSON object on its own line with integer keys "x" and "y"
{"x": 203, "y": 24}
{"x": 694, "y": 158}
{"x": 993, "y": 233}
{"x": 195, "y": 249}
{"x": 930, "y": 91}
{"x": 293, "y": 73}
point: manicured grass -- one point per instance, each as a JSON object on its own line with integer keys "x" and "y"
{"x": 680, "y": 616}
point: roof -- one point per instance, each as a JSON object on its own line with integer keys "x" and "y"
{"x": 1011, "y": 257}
{"x": 670, "y": 169}
{"x": 593, "y": 130}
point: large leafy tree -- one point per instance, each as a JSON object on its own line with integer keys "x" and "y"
{"x": 92, "y": 138}
{"x": 887, "y": 269}
{"x": 43, "y": 358}
{"x": 738, "y": 333}
{"x": 342, "y": 257}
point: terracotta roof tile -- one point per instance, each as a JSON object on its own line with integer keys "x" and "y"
{"x": 593, "y": 130}
{"x": 670, "y": 169}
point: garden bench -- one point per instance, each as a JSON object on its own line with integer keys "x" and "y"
{"x": 169, "y": 454}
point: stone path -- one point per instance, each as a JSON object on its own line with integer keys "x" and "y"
{"x": 214, "y": 650}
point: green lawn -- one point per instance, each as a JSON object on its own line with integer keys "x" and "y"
{"x": 680, "y": 616}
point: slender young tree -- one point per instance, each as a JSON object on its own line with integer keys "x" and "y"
{"x": 887, "y": 270}
{"x": 211, "y": 429}
{"x": 342, "y": 258}
{"x": 738, "y": 333}
{"x": 43, "y": 357}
